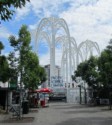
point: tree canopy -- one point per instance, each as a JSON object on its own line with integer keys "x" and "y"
{"x": 1, "y": 47}
{"x": 7, "y": 8}
{"x": 97, "y": 72}
{"x": 105, "y": 65}
{"x": 87, "y": 70}
{"x": 23, "y": 61}
{"x": 4, "y": 66}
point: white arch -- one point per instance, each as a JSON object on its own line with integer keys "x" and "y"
{"x": 48, "y": 28}
{"x": 55, "y": 24}
{"x": 89, "y": 48}
{"x": 63, "y": 39}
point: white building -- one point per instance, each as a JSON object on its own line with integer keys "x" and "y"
{"x": 4, "y": 85}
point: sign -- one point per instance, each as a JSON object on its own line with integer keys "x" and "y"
{"x": 13, "y": 86}
{"x": 56, "y": 81}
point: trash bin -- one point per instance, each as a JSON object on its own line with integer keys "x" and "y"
{"x": 42, "y": 103}
{"x": 25, "y": 107}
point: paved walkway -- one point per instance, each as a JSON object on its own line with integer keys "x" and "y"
{"x": 70, "y": 114}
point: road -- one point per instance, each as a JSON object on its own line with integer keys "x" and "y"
{"x": 60, "y": 113}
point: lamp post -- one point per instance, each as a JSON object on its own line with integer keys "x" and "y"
{"x": 110, "y": 97}
{"x": 7, "y": 98}
{"x": 80, "y": 94}
{"x": 85, "y": 92}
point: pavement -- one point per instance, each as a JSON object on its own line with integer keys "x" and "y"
{"x": 60, "y": 113}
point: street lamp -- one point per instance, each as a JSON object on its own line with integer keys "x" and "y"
{"x": 78, "y": 80}
{"x": 80, "y": 93}
{"x": 110, "y": 96}
{"x": 85, "y": 92}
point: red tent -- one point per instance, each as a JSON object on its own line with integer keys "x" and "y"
{"x": 45, "y": 90}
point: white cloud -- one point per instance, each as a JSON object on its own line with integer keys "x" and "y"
{"x": 44, "y": 59}
{"x": 22, "y": 12}
{"x": 90, "y": 22}
{"x": 4, "y": 33}
{"x": 45, "y": 7}
{"x": 86, "y": 19}
{"x": 42, "y": 8}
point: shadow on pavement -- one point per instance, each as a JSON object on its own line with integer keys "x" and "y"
{"x": 87, "y": 121}
{"x": 15, "y": 120}
{"x": 83, "y": 111}
{"x": 72, "y": 107}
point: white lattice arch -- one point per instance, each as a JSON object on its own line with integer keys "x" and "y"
{"x": 65, "y": 59}
{"x": 52, "y": 25}
{"x": 89, "y": 48}
{"x": 48, "y": 29}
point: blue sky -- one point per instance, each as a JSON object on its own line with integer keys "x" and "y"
{"x": 86, "y": 19}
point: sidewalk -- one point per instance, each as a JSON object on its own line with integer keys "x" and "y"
{"x": 69, "y": 114}
{"x": 3, "y": 116}
{"x": 10, "y": 119}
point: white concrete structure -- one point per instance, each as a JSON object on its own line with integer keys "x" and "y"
{"x": 56, "y": 73}
{"x": 48, "y": 29}
{"x": 85, "y": 50}
{"x": 4, "y": 85}
{"x": 55, "y": 30}
{"x": 72, "y": 54}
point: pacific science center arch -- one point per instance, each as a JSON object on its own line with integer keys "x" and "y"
{"x": 72, "y": 55}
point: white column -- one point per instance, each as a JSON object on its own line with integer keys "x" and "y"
{"x": 67, "y": 76}
{"x": 64, "y": 71}
{"x": 67, "y": 68}
{"x": 70, "y": 62}
{"x": 52, "y": 55}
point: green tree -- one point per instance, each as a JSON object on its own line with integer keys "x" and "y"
{"x": 25, "y": 62}
{"x": 4, "y": 66}
{"x": 34, "y": 74}
{"x": 21, "y": 48}
{"x": 105, "y": 65}
{"x": 7, "y": 8}
{"x": 13, "y": 68}
{"x": 31, "y": 70}
{"x": 1, "y": 47}
{"x": 88, "y": 71}
{"x": 4, "y": 69}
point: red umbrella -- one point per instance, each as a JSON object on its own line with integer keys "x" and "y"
{"x": 46, "y": 90}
